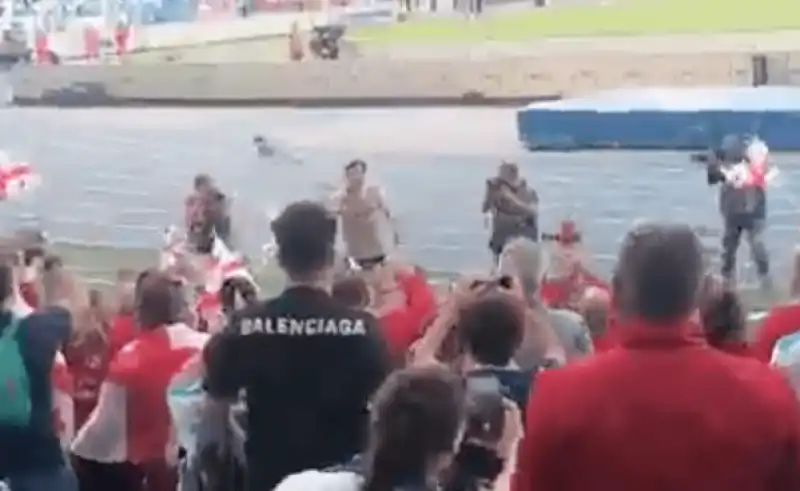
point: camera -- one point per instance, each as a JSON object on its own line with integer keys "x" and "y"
{"x": 561, "y": 239}
{"x": 486, "y": 414}
{"x": 567, "y": 234}
{"x": 505, "y": 282}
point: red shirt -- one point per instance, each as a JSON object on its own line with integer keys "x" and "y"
{"x": 122, "y": 331}
{"x": 88, "y": 363}
{"x": 561, "y": 293}
{"x": 738, "y": 348}
{"x": 663, "y": 411}
{"x": 781, "y": 321}
{"x": 403, "y": 325}
{"x": 143, "y": 370}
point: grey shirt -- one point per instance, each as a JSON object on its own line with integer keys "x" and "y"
{"x": 572, "y": 333}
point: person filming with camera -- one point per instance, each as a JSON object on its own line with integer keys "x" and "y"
{"x": 742, "y": 172}
{"x": 512, "y": 207}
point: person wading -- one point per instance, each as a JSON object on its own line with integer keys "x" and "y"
{"x": 362, "y": 208}
{"x": 513, "y": 207}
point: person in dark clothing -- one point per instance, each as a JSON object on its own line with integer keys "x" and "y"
{"x": 740, "y": 169}
{"x": 308, "y": 363}
{"x": 31, "y": 458}
{"x": 512, "y": 205}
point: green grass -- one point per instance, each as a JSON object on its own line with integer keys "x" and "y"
{"x": 628, "y": 17}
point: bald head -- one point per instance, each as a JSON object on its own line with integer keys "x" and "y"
{"x": 660, "y": 269}
{"x": 594, "y": 306}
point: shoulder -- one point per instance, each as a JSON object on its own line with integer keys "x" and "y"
{"x": 47, "y": 328}
{"x": 567, "y": 322}
{"x": 321, "y": 481}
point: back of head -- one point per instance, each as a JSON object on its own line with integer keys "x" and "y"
{"x": 202, "y": 181}
{"x": 352, "y": 291}
{"x": 659, "y": 272}
{"x": 491, "y": 328}
{"x": 417, "y": 415}
{"x": 723, "y": 318}
{"x": 157, "y": 302}
{"x": 305, "y": 233}
{"x": 594, "y": 306}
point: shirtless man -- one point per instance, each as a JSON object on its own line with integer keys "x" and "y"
{"x": 361, "y": 208}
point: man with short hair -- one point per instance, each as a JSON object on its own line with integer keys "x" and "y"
{"x": 663, "y": 410}
{"x": 362, "y": 208}
{"x": 207, "y": 214}
{"x": 308, "y": 363}
{"x": 512, "y": 206}
{"x": 741, "y": 169}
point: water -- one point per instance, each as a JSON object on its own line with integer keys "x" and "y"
{"x": 114, "y": 178}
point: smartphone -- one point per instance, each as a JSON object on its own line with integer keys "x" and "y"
{"x": 483, "y": 385}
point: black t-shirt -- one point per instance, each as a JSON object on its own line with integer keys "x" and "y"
{"x": 309, "y": 366}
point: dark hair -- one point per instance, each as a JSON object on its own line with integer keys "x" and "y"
{"x": 490, "y": 329}
{"x": 416, "y": 415}
{"x": 157, "y": 299}
{"x": 202, "y": 180}
{"x": 233, "y": 286}
{"x": 29, "y": 254}
{"x": 52, "y": 262}
{"x": 351, "y": 291}
{"x": 305, "y": 233}
{"x": 723, "y": 318}
{"x": 659, "y": 270}
{"x": 355, "y": 164}
{"x": 6, "y": 281}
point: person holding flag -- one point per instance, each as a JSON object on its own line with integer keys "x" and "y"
{"x": 743, "y": 172}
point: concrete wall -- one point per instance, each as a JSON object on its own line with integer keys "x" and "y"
{"x": 511, "y": 79}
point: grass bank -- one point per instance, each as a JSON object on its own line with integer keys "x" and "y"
{"x": 622, "y": 18}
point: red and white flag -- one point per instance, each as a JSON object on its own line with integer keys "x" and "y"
{"x": 131, "y": 422}
{"x": 223, "y": 265}
{"x": 17, "y": 179}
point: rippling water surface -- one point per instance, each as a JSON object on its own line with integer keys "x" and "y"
{"x": 113, "y": 178}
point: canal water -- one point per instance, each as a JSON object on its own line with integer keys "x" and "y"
{"x": 114, "y": 178}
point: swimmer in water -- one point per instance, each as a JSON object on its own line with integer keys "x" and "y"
{"x": 263, "y": 147}
{"x": 267, "y": 150}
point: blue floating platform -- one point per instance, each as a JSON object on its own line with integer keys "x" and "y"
{"x": 663, "y": 119}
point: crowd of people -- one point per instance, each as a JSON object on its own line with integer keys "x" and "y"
{"x": 537, "y": 376}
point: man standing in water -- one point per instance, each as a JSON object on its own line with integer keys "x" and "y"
{"x": 362, "y": 207}
{"x": 742, "y": 171}
{"x": 512, "y": 206}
